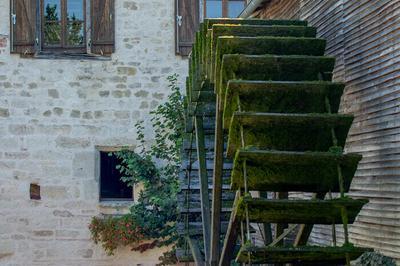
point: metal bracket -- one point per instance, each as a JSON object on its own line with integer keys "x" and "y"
{"x": 14, "y": 18}
{"x": 179, "y": 20}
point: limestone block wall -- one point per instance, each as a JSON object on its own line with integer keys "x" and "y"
{"x": 53, "y": 114}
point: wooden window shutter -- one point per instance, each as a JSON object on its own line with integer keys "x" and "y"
{"x": 23, "y": 26}
{"x": 103, "y": 27}
{"x": 187, "y": 23}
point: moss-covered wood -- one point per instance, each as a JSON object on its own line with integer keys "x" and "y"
{"x": 271, "y": 67}
{"x": 275, "y": 98}
{"x": 251, "y": 31}
{"x": 300, "y": 255}
{"x": 289, "y": 132}
{"x": 281, "y": 97}
{"x": 298, "y": 211}
{"x": 264, "y": 45}
{"x": 208, "y": 23}
{"x": 293, "y": 171}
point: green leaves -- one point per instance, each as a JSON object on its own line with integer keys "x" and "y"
{"x": 154, "y": 215}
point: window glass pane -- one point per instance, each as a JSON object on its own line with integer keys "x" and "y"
{"x": 52, "y": 9}
{"x": 52, "y": 33}
{"x": 214, "y": 9}
{"x": 235, "y": 8}
{"x": 75, "y": 33}
{"x": 75, "y": 10}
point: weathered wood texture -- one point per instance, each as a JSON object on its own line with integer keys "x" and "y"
{"x": 103, "y": 26}
{"x": 275, "y": 9}
{"x": 23, "y": 26}
{"x": 364, "y": 36}
{"x": 187, "y": 23}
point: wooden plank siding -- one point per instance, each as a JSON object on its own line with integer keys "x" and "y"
{"x": 364, "y": 36}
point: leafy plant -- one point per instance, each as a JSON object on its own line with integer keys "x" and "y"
{"x": 153, "y": 217}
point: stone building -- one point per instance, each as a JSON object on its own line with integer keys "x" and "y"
{"x": 75, "y": 77}
{"x": 56, "y": 113}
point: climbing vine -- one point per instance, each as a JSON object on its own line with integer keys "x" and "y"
{"x": 152, "y": 220}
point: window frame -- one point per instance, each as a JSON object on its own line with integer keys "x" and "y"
{"x": 225, "y": 7}
{"x": 64, "y": 47}
{"x": 108, "y": 149}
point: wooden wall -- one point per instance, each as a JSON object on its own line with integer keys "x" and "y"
{"x": 364, "y": 36}
{"x": 279, "y": 9}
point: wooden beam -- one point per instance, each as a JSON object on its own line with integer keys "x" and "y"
{"x": 225, "y": 8}
{"x": 217, "y": 184}
{"x": 305, "y": 229}
{"x": 280, "y": 228}
{"x": 194, "y": 247}
{"x": 205, "y": 200}
{"x": 231, "y": 236}
{"x": 267, "y": 231}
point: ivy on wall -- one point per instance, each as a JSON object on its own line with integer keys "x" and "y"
{"x": 152, "y": 220}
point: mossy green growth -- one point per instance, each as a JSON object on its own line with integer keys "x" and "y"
{"x": 293, "y": 171}
{"x": 253, "y": 31}
{"x": 300, "y": 255}
{"x": 271, "y": 67}
{"x": 208, "y": 23}
{"x": 299, "y": 211}
{"x": 289, "y": 132}
{"x": 280, "y": 97}
{"x": 265, "y": 45}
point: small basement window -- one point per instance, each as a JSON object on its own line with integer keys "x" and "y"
{"x": 111, "y": 185}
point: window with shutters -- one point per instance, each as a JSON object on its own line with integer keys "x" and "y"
{"x": 190, "y": 12}
{"x": 62, "y": 27}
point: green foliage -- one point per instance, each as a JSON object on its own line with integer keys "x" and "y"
{"x": 51, "y": 12}
{"x": 112, "y": 232}
{"x": 156, "y": 168}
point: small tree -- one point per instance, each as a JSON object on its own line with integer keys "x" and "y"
{"x": 154, "y": 216}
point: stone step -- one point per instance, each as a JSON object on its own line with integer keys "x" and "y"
{"x": 209, "y": 143}
{"x": 281, "y": 97}
{"x": 195, "y": 180}
{"x": 196, "y": 228}
{"x": 205, "y": 93}
{"x": 198, "y": 210}
{"x": 272, "y": 67}
{"x": 210, "y": 165}
{"x": 202, "y": 109}
{"x": 306, "y": 255}
{"x": 293, "y": 171}
{"x": 208, "y": 124}
{"x": 197, "y": 187}
{"x": 298, "y": 211}
{"x": 195, "y": 214}
{"x": 264, "y": 45}
{"x": 289, "y": 132}
{"x": 204, "y": 96}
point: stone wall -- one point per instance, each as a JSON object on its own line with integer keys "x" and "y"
{"x": 53, "y": 114}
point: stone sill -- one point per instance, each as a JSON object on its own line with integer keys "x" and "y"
{"x": 115, "y": 207}
{"x": 116, "y": 203}
{"x": 71, "y": 56}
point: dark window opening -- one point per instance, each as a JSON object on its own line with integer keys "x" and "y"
{"x": 111, "y": 185}
{"x": 34, "y": 191}
{"x": 63, "y": 25}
